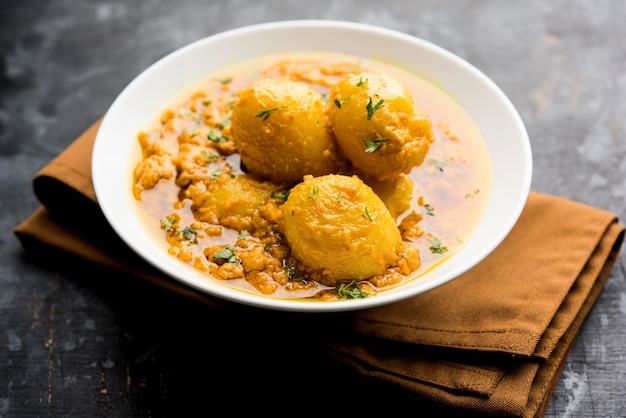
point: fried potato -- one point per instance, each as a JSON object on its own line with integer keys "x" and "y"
{"x": 231, "y": 200}
{"x": 377, "y": 126}
{"x": 280, "y": 129}
{"x": 337, "y": 226}
{"x": 396, "y": 193}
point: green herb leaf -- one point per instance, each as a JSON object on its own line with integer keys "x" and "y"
{"x": 367, "y": 214}
{"x": 189, "y": 234}
{"x": 339, "y": 103}
{"x": 209, "y": 158}
{"x": 228, "y": 254}
{"x": 187, "y": 112}
{"x": 361, "y": 82}
{"x": 429, "y": 210}
{"x": 313, "y": 194}
{"x": 438, "y": 164}
{"x": 225, "y": 122}
{"x": 371, "y": 108}
{"x": 372, "y": 145}
{"x": 293, "y": 273}
{"x": 436, "y": 247}
{"x": 350, "y": 291}
{"x": 280, "y": 195}
{"x": 216, "y": 136}
{"x": 267, "y": 112}
{"x": 167, "y": 224}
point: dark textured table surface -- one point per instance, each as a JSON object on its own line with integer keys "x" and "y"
{"x": 79, "y": 346}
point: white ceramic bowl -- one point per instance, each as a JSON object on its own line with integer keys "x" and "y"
{"x": 116, "y": 149}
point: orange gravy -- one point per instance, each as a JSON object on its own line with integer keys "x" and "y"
{"x": 451, "y": 188}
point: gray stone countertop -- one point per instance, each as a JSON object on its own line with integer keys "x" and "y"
{"x": 62, "y": 63}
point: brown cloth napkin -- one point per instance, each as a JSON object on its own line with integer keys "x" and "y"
{"x": 490, "y": 343}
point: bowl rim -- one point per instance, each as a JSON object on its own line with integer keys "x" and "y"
{"x": 478, "y": 81}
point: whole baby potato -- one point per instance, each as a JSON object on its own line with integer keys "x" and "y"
{"x": 396, "y": 193}
{"x": 231, "y": 200}
{"x": 337, "y": 226}
{"x": 376, "y": 124}
{"x": 280, "y": 129}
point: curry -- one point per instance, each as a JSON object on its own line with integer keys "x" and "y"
{"x": 312, "y": 175}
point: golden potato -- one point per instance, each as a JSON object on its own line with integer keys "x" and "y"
{"x": 280, "y": 129}
{"x": 231, "y": 201}
{"x": 338, "y": 227}
{"x": 396, "y": 193}
{"x": 376, "y": 124}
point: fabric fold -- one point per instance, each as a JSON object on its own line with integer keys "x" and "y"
{"x": 491, "y": 342}
{"x": 521, "y": 293}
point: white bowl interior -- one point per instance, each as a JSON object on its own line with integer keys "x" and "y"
{"x": 116, "y": 149}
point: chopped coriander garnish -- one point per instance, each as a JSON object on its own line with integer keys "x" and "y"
{"x": 351, "y": 291}
{"x": 429, "y": 210}
{"x": 228, "y": 254}
{"x": 217, "y": 174}
{"x": 280, "y": 195}
{"x": 187, "y": 112}
{"x": 438, "y": 164}
{"x": 243, "y": 234}
{"x": 167, "y": 224}
{"x": 216, "y": 136}
{"x": 264, "y": 114}
{"x": 372, "y": 145}
{"x": 293, "y": 273}
{"x": 225, "y": 80}
{"x": 436, "y": 247}
{"x": 339, "y": 103}
{"x": 371, "y": 108}
{"x": 361, "y": 82}
{"x": 226, "y": 119}
{"x": 367, "y": 214}
{"x": 339, "y": 197}
{"x": 313, "y": 194}
{"x": 267, "y": 247}
{"x": 189, "y": 233}
{"x": 209, "y": 157}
